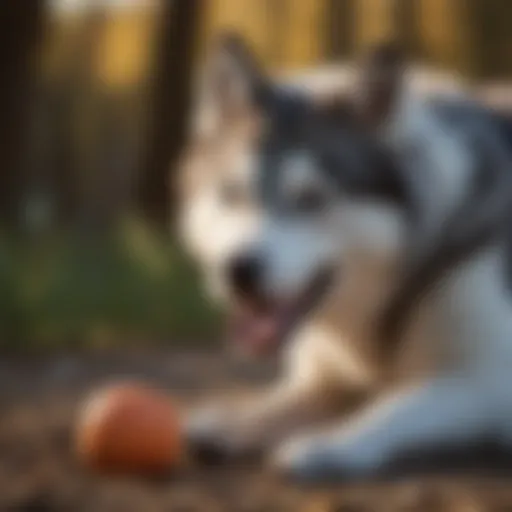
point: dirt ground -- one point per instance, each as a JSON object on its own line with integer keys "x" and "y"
{"x": 39, "y": 473}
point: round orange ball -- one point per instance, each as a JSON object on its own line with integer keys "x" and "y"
{"x": 129, "y": 428}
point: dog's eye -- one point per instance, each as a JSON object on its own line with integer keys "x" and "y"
{"x": 309, "y": 201}
{"x": 233, "y": 194}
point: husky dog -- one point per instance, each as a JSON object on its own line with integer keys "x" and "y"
{"x": 367, "y": 236}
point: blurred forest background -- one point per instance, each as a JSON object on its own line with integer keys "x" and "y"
{"x": 94, "y": 104}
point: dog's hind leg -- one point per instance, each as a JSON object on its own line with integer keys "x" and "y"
{"x": 439, "y": 413}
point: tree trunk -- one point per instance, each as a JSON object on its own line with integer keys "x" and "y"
{"x": 172, "y": 88}
{"x": 20, "y": 26}
{"x": 340, "y": 31}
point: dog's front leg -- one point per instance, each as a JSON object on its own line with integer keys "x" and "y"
{"x": 444, "y": 411}
{"x": 316, "y": 383}
{"x": 254, "y": 424}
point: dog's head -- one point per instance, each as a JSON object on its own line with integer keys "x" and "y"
{"x": 288, "y": 199}
{"x": 218, "y": 215}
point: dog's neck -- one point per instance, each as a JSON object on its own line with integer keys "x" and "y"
{"x": 444, "y": 330}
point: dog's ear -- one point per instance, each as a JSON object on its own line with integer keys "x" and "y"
{"x": 379, "y": 83}
{"x": 233, "y": 80}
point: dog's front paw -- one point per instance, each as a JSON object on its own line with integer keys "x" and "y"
{"x": 207, "y": 436}
{"x": 214, "y": 436}
{"x": 317, "y": 459}
{"x": 303, "y": 460}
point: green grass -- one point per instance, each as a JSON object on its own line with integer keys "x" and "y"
{"x": 129, "y": 287}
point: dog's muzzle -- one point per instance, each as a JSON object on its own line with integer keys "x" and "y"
{"x": 260, "y": 324}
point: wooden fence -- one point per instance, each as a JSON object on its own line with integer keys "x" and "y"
{"x": 107, "y": 73}
{"x": 472, "y": 36}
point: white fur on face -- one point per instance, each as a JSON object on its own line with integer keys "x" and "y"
{"x": 294, "y": 252}
{"x": 296, "y": 245}
{"x": 214, "y": 231}
{"x": 347, "y": 233}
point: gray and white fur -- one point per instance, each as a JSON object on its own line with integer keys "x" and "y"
{"x": 405, "y": 199}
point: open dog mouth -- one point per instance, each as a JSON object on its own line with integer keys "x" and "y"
{"x": 260, "y": 325}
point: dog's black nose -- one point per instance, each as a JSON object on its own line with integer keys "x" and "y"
{"x": 245, "y": 274}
